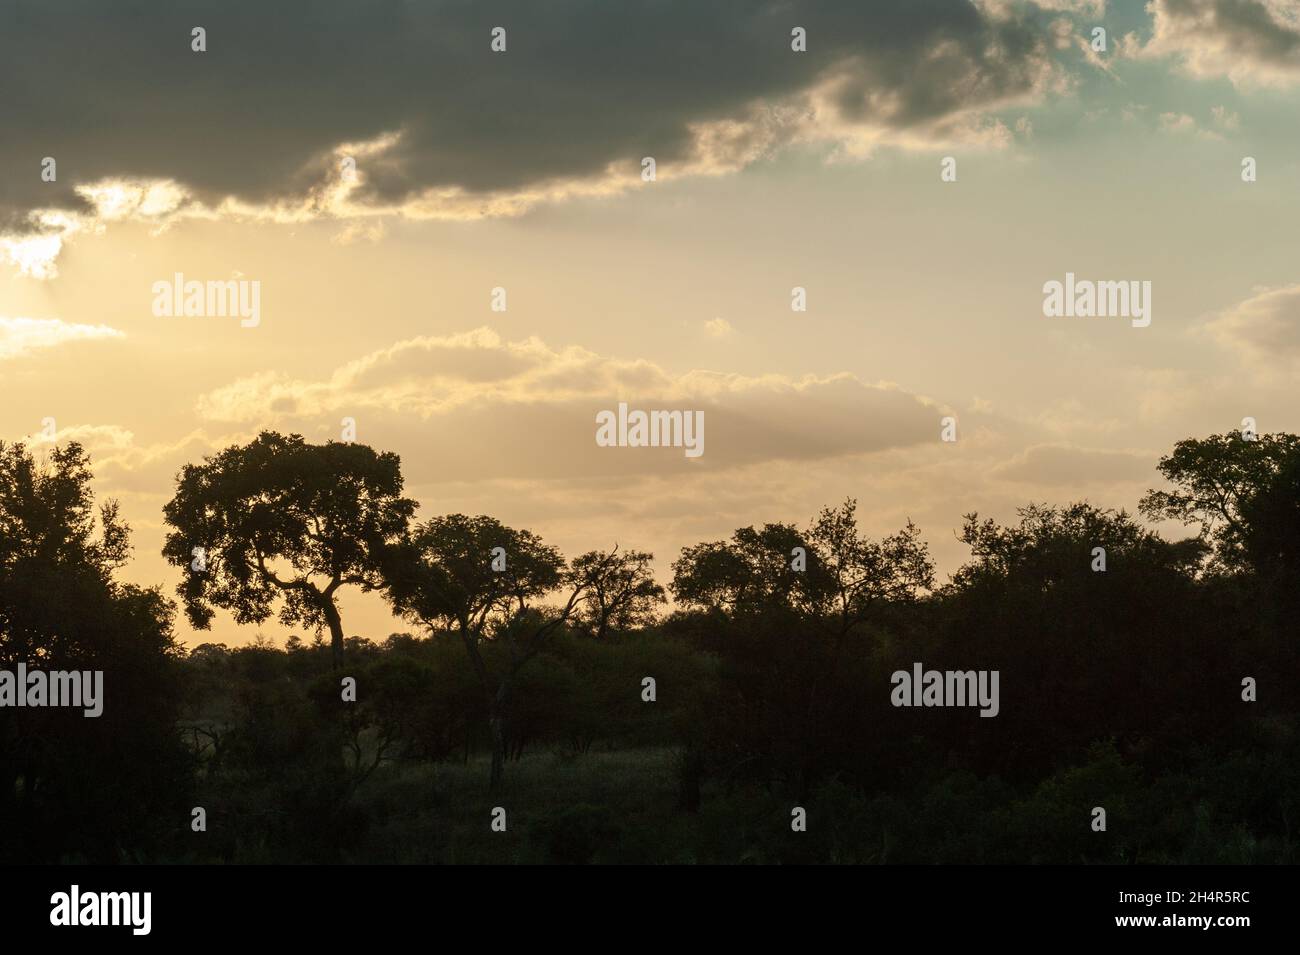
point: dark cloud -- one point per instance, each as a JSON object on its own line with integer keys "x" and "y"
{"x": 1248, "y": 27}
{"x": 1247, "y": 40}
{"x": 113, "y": 89}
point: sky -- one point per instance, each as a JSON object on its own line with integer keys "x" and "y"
{"x": 380, "y": 169}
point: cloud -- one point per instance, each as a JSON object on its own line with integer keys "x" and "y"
{"x": 261, "y": 124}
{"x": 1264, "y": 330}
{"x": 98, "y": 439}
{"x": 1062, "y": 465}
{"x": 1182, "y": 124}
{"x": 1224, "y": 118}
{"x": 478, "y": 405}
{"x": 1176, "y": 123}
{"x": 33, "y": 254}
{"x": 1073, "y": 7}
{"x": 1251, "y": 42}
{"x": 21, "y": 336}
{"x": 718, "y": 328}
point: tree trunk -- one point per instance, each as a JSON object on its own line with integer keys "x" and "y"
{"x": 497, "y": 720}
{"x": 336, "y": 631}
{"x": 498, "y": 753}
{"x": 495, "y": 709}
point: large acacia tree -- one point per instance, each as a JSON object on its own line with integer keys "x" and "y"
{"x": 281, "y": 520}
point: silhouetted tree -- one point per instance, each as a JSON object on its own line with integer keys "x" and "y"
{"x": 444, "y": 578}
{"x": 789, "y": 612}
{"x": 1054, "y": 543}
{"x": 280, "y": 518}
{"x": 1213, "y": 477}
{"x": 622, "y": 592}
{"x": 1270, "y": 518}
{"x": 841, "y": 580}
{"x": 1093, "y": 653}
{"x": 751, "y": 571}
{"x": 102, "y": 789}
{"x": 854, "y": 576}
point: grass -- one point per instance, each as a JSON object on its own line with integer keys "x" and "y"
{"x": 612, "y": 806}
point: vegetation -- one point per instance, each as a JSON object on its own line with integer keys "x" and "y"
{"x": 523, "y": 683}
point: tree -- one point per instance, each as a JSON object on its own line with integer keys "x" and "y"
{"x": 1051, "y": 544}
{"x": 280, "y": 518}
{"x": 841, "y": 581}
{"x": 622, "y": 592}
{"x": 102, "y": 789}
{"x": 786, "y": 609}
{"x": 451, "y": 575}
{"x": 856, "y": 576}
{"x": 1213, "y": 478}
{"x": 752, "y": 571}
{"x": 1271, "y": 519}
{"x": 1100, "y": 645}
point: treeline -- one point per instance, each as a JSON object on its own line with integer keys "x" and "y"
{"x": 1150, "y": 678}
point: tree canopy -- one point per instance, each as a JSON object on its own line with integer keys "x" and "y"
{"x": 282, "y": 520}
{"x": 1213, "y": 479}
{"x": 74, "y": 788}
